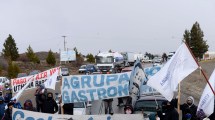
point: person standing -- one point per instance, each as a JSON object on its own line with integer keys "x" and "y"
{"x": 39, "y": 94}
{"x": 108, "y": 106}
{"x": 2, "y": 107}
{"x": 168, "y": 112}
{"x": 50, "y": 105}
{"x": 8, "y": 112}
{"x": 188, "y": 108}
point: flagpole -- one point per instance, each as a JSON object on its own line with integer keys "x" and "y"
{"x": 179, "y": 97}
{"x": 200, "y": 67}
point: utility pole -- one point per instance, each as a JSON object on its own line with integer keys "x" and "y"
{"x": 64, "y": 43}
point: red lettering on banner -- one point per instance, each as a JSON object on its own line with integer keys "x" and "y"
{"x": 52, "y": 71}
{"x": 19, "y": 81}
{"x": 41, "y": 75}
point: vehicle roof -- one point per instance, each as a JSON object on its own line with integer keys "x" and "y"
{"x": 151, "y": 97}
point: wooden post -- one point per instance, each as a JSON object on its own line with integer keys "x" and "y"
{"x": 179, "y": 97}
{"x": 200, "y": 68}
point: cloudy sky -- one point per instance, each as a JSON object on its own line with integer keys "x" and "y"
{"x": 155, "y": 26}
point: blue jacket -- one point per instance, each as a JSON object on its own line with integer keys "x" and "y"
{"x": 2, "y": 108}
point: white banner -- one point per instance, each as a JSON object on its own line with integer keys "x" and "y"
{"x": 19, "y": 83}
{"x": 80, "y": 88}
{"x": 19, "y": 114}
{"x": 174, "y": 71}
{"x": 206, "y": 103}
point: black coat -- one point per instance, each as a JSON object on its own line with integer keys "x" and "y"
{"x": 169, "y": 114}
{"x": 50, "y": 106}
{"x": 189, "y": 109}
{"x": 8, "y": 114}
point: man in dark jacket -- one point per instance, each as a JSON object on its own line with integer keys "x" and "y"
{"x": 39, "y": 93}
{"x": 188, "y": 108}
{"x": 2, "y": 107}
{"x": 8, "y": 112}
{"x": 50, "y": 105}
{"x": 168, "y": 112}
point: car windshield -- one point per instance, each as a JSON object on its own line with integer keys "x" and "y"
{"x": 83, "y": 67}
{"x": 79, "y": 105}
{"x": 108, "y": 59}
{"x": 147, "y": 105}
{"x": 89, "y": 66}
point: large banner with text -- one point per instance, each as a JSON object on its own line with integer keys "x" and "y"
{"x": 80, "y": 88}
{"x": 19, "y": 83}
{"x": 19, "y": 114}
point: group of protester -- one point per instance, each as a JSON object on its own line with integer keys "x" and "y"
{"x": 189, "y": 111}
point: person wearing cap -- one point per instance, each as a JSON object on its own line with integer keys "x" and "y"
{"x": 16, "y": 104}
{"x": 2, "y": 107}
{"x": 188, "y": 108}
{"x": 8, "y": 111}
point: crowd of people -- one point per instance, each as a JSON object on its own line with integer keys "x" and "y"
{"x": 45, "y": 103}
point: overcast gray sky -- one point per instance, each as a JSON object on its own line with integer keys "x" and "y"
{"x": 155, "y": 26}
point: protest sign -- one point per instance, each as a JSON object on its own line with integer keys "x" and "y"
{"x": 80, "y": 88}
{"x": 19, "y": 83}
{"x": 19, "y": 114}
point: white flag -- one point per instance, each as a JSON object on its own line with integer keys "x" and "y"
{"x": 174, "y": 71}
{"x": 206, "y": 103}
{"x": 51, "y": 81}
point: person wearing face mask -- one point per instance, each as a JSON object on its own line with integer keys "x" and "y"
{"x": 2, "y": 107}
{"x": 128, "y": 109}
{"x": 168, "y": 112}
{"x": 188, "y": 109}
{"x": 50, "y": 105}
{"x": 29, "y": 106}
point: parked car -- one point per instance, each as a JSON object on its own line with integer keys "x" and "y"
{"x": 82, "y": 69}
{"x": 148, "y": 105}
{"x": 64, "y": 71}
{"x": 90, "y": 69}
{"x": 22, "y": 75}
{"x": 34, "y": 72}
{"x": 157, "y": 60}
{"x": 4, "y": 82}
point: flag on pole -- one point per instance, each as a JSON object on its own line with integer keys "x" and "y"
{"x": 174, "y": 71}
{"x": 51, "y": 81}
{"x": 206, "y": 103}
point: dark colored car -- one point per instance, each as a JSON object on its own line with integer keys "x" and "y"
{"x": 90, "y": 69}
{"x": 148, "y": 104}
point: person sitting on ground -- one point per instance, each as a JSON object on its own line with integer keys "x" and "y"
{"x": 29, "y": 106}
{"x": 50, "y": 105}
{"x": 2, "y": 107}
